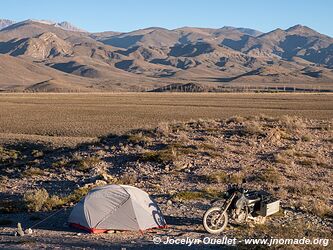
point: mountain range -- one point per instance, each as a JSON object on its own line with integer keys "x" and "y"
{"x": 39, "y": 55}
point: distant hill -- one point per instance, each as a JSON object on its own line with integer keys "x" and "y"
{"x": 154, "y": 57}
{"x": 68, "y": 26}
{"x": 5, "y": 23}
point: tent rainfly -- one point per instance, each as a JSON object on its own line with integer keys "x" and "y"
{"x": 116, "y": 207}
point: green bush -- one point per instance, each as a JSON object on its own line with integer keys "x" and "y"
{"x": 40, "y": 200}
{"x": 36, "y": 199}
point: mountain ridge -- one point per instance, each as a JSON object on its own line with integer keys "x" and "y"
{"x": 154, "y": 56}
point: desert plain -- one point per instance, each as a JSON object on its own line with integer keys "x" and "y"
{"x": 182, "y": 148}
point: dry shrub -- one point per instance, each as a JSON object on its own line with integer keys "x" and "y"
{"x": 236, "y": 178}
{"x": 253, "y": 128}
{"x": 305, "y": 154}
{"x": 183, "y": 137}
{"x": 202, "y": 123}
{"x": 323, "y": 163}
{"x": 37, "y": 153}
{"x": 217, "y": 177}
{"x": 282, "y": 193}
{"x": 76, "y": 195}
{"x": 179, "y": 126}
{"x": 236, "y": 119}
{"x": 321, "y": 209}
{"x": 211, "y": 149}
{"x": 288, "y": 152}
{"x": 207, "y": 124}
{"x": 160, "y": 156}
{"x": 170, "y": 153}
{"x": 100, "y": 153}
{"x": 306, "y": 162}
{"x": 31, "y": 172}
{"x": 280, "y": 158}
{"x": 8, "y": 155}
{"x": 37, "y": 200}
{"x": 306, "y": 138}
{"x": 207, "y": 146}
{"x": 60, "y": 163}
{"x": 128, "y": 178}
{"x": 138, "y": 138}
{"x": 163, "y": 128}
{"x": 267, "y": 118}
{"x": 270, "y": 175}
{"x": 300, "y": 188}
{"x": 87, "y": 163}
{"x": 292, "y": 123}
{"x": 53, "y": 202}
{"x": 107, "y": 177}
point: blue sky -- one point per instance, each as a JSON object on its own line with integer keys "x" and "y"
{"x": 127, "y": 15}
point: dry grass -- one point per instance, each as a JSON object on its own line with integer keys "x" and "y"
{"x": 87, "y": 163}
{"x": 90, "y": 115}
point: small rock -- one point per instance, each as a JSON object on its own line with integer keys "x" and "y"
{"x": 169, "y": 203}
{"x": 78, "y": 234}
{"x": 19, "y": 229}
{"x": 110, "y": 232}
{"x": 28, "y": 231}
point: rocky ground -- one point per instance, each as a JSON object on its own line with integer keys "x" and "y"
{"x": 184, "y": 166}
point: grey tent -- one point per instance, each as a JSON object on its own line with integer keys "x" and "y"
{"x": 116, "y": 207}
